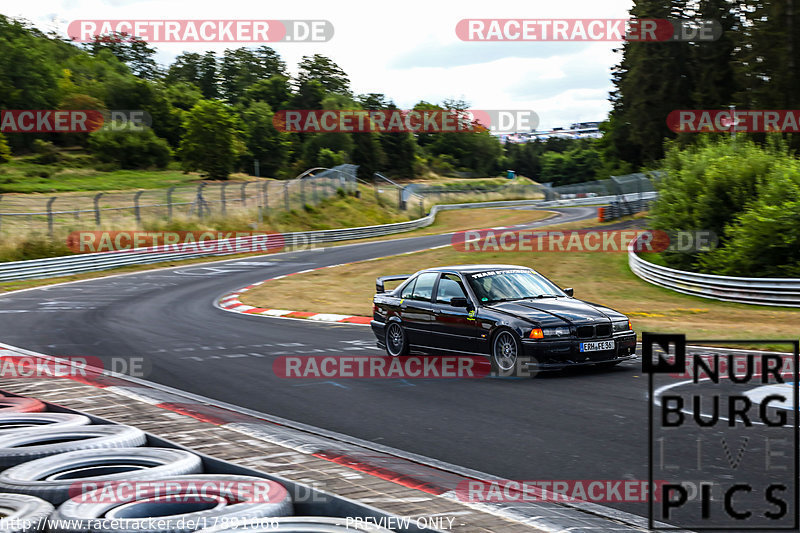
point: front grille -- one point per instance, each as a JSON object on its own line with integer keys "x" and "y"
{"x": 590, "y": 332}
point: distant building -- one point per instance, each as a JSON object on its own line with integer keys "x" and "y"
{"x": 577, "y": 130}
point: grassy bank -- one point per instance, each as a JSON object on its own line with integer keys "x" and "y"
{"x": 596, "y": 277}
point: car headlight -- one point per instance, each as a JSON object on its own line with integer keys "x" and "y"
{"x": 621, "y": 325}
{"x": 556, "y": 332}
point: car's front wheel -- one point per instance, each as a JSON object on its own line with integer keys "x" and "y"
{"x": 396, "y": 340}
{"x": 506, "y": 353}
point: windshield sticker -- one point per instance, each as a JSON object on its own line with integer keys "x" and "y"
{"x": 497, "y": 272}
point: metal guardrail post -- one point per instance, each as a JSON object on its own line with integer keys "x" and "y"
{"x": 223, "y": 207}
{"x": 50, "y": 215}
{"x": 96, "y": 201}
{"x": 136, "y": 211}
{"x": 200, "y": 201}
{"x": 169, "y": 203}
{"x": 302, "y": 192}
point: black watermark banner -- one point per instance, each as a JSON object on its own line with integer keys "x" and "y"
{"x": 723, "y": 434}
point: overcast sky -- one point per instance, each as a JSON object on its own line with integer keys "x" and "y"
{"x": 407, "y": 50}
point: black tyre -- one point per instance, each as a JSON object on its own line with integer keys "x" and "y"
{"x": 21, "y": 446}
{"x": 506, "y": 354}
{"x": 181, "y": 503}
{"x": 23, "y": 514}
{"x": 396, "y": 340}
{"x": 52, "y": 478}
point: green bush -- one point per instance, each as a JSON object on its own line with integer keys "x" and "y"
{"x": 747, "y": 194}
{"x": 764, "y": 240}
{"x": 129, "y": 148}
{"x": 5, "y": 151}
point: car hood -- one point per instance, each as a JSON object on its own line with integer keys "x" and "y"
{"x": 567, "y": 309}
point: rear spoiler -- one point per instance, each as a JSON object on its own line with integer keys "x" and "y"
{"x": 383, "y": 279}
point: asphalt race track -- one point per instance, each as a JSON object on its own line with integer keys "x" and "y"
{"x": 580, "y": 424}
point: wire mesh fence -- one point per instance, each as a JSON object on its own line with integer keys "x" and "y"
{"x": 104, "y": 210}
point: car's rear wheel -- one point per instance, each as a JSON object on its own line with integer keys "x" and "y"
{"x": 396, "y": 340}
{"x": 506, "y": 353}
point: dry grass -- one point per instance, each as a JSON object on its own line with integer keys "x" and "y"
{"x": 596, "y": 277}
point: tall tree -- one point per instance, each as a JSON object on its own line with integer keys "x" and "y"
{"x": 210, "y": 142}
{"x": 651, "y": 80}
{"x": 323, "y": 70}
{"x": 129, "y": 49}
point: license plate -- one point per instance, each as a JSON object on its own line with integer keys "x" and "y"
{"x": 597, "y": 346}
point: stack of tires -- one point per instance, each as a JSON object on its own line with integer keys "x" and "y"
{"x": 60, "y": 473}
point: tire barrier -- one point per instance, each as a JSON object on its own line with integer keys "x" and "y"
{"x": 299, "y": 524}
{"x": 22, "y": 513}
{"x": 20, "y": 405}
{"x": 22, "y": 446}
{"x": 102, "y": 481}
{"x": 51, "y": 478}
{"x": 184, "y": 504}
{"x": 11, "y": 422}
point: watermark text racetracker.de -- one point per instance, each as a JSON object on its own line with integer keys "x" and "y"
{"x": 71, "y": 367}
{"x": 615, "y": 30}
{"x": 734, "y": 120}
{"x": 381, "y": 367}
{"x": 405, "y": 120}
{"x": 202, "y": 31}
{"x": 489, "y": 240}
{"x": 180, "y": 241}
{"x": 554, "y": 490}
{"x": 72, "y": 120}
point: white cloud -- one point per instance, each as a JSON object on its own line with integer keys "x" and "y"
{"x": 407, "y": 50}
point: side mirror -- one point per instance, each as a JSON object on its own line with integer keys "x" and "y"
{"x": 569, "y": 291}
{"x": 459, "y": 301}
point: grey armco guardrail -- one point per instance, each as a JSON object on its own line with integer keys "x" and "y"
{"x": 91, "y": 262}
{"x": 783, "y": 292}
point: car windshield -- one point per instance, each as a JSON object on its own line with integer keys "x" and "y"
{"x": 506, "y": 285}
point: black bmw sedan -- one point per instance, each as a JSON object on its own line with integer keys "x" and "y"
{"x": 516, "y": 316}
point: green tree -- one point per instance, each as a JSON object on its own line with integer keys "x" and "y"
{"x": 129, "y": 49}
{"x": 129, "y": 148}
{"x": 209, "y": 76}
{"x": 263, "y": 141}
{"x": 274, "y": 91}
{"x": 210, "y": 141}
{"x": 323, "y": 70}
{"x": 650, "y": 81}
{"x": 185, "y": 68}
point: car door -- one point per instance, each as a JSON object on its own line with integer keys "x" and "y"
{"x": 416, "y": 312}
{"x": 452, "y": 327}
